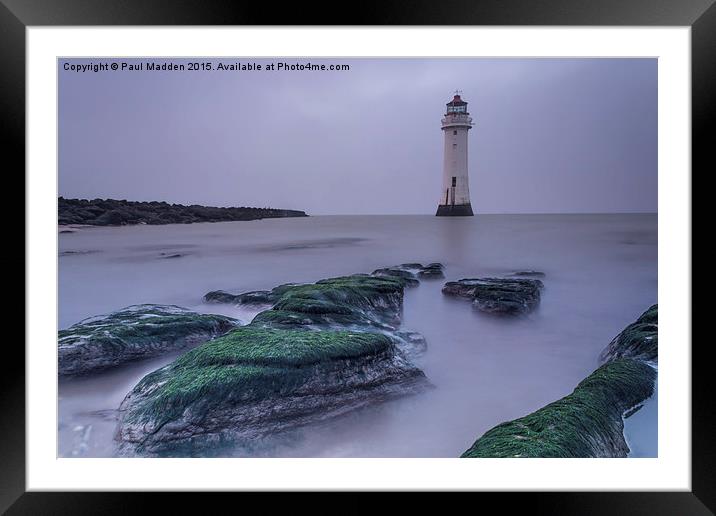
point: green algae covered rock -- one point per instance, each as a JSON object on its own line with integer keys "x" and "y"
{"x": 639, "y": 340}
{"x": 590, "y": 421}
{"x": 133, "y": 333}
{"x": 257, "y": 381}
{"x": 359, "y": 300}
{"x": 586, "y": 423}
{"x": 322, "y": 350}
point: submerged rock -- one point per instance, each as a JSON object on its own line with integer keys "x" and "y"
{"x": 410, "y": 272}
{"x": 529, "y": 274}
{"x": 411, "y": 343}
{"x": 586, "y": 423}
{"x": 255, "y": 297}
{"x": 408, "y": 277}
{"x": 432, "y": 270}
{"x": 590, "y": 421}
{"x": 509, "y": 296}
{"x": 639, "y": 340}
{"x": 133, "y": 333}
{"x": 323, "y": 349}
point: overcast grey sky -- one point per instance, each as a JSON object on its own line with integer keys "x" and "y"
{"x": 550, "y": 135}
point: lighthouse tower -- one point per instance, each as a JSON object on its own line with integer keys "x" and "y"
{"x": 455, "y": 193}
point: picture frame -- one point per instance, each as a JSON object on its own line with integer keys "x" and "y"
{"x": 16, "y": 16}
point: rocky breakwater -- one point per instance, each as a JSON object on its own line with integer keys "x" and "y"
{"x": 503, "y": 296}
{"x": 589, "y": 422}
{"x": 322, "y": 350}
{"x": 114, "y": 212}
{"x": 133, "y": 333}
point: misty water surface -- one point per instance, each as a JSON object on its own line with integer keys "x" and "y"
{"x": 601, "y": 274}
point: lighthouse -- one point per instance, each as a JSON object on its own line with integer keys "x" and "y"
{"x": 455, "y": 194}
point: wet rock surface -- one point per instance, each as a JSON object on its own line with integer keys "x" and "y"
{"x": 589, "y": 422}
{"x": 133, "y": 333}
{"x": 322, "y": 350}
{"x": 255, "y": 297}
{"x": 412, "y": 272}
{"x": 505, "y": 296}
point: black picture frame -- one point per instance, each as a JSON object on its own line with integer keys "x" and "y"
{"x": 700, "y": 15}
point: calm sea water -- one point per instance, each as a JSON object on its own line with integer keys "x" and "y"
{"x": 601, "y": 273}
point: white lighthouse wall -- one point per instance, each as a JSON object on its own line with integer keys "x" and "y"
{"x": 455, "y": 165}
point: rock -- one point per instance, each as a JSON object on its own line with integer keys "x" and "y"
{"x": 356, "y": 301}
{"x": 462, "y": 288}
{"x": 639, "y": 340}
{"x": 220, "y": 296}
{"x": 410, "y": 272}
{"x": 498, "y": 295}
{"x": 133, "y": 333}
{"x": 432, "y": 270}
{"x": 590, "y": 421}
{"x": 529, "y": 274}
{"x": 397, "y": 272}
{"x": 323, "y": 350}
{"x": 587, "y": 423}
{"x": 255, "y": 297}
{"x": 411, "y": 343}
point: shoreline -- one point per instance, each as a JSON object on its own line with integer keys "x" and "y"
{"x": 113, "y": 212}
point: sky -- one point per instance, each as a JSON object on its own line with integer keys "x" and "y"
{"x": 550, "y": 135}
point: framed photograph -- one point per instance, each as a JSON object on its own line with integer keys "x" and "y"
{"x": 425, "y": 251}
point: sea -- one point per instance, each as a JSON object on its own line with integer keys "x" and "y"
{"x": 600, "y": 275}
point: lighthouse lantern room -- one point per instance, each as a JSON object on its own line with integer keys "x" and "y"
{"x": 455, "y": 193}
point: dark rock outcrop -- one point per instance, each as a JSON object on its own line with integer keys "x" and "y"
{"x": 410, "y": 272}
{"x": 589, "y": 422}
{"x": 586, "y": 423}
{"x": 322, "y": 350}
{"x": 432, "y": 270}
{"x": 112, "y": 212}
{"x": 529, "y": 274}
{"x": 508, "y": 296}
{"x": 255, "y": 297}
{"x": 133, "y": 333}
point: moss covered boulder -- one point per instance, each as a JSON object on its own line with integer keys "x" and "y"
{"x": 503, "y": 296}
{"x": 133, "y": 333}
{"x": 587, "y": 423}
{"x": 357, "y": 301}
{"x": 590, "y": 421}
{"x": 639, "y": 340}
{"x": 256, "y": 381}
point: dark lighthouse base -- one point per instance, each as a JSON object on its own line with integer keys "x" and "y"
{"x": 454, "y": 210}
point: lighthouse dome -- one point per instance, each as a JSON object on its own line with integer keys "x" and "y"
{"x": 457, "y": 101}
